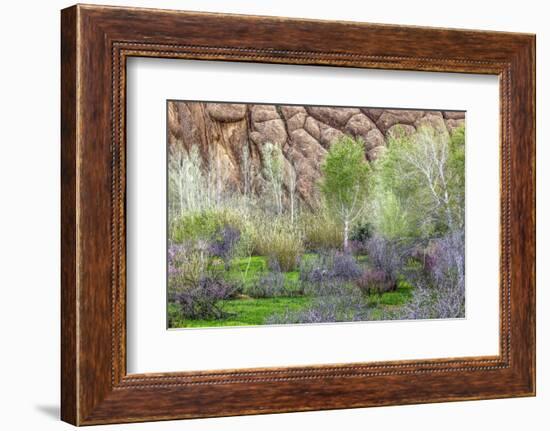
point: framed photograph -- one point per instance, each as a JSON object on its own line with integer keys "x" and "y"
{"x": 264, "y": 214}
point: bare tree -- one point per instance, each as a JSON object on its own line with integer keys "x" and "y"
{"x": 273, "y": 172}
{"x": 216, "y": 178}
{"x": 185, "y": 179}
{"x": 246, "y": 167}
{"x": 429, "y": 156}
{"x": 292, "y": 193}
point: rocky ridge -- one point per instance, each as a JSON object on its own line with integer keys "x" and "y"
{"x": 304, "y": 134}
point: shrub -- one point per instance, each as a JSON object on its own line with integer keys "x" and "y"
{"x": 358, "y": 248}
{"x": 269, "y": 285}
{"x": 329, "y": 265}
{"x": 374, "y": 281}
{"x": 204, "y": 301}
{"x": 439, "y": 286}
{"x": 361, "y": 232}
{"x": 346, "y": 305}
{"x": 273, "y": 264}
{"x": 223, "y": 243}
{"x": 446, "y": 259}
{"x": 321, "y": 232}
{"x": 204, "y": 225}
{"x": 321, "y": 312}
{"x": 386, "y": 255}
{"x": 328, "y": 287}
{"x": 314, "y": 269}
{"x": 280, "y": 243}
{"x": 445, "y": 274}
{"x": 359, "y": 237}
{"x": 435, "y": 302}
{"x": 187, "y": 264}
{"x": 345, "y": 267}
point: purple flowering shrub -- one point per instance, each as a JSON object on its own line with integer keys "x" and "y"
{"x": 187, "y": 264}
{"x": 374, "y": 281}
{"x": 315, "y": 269}
{"x": 269, "y": 285}
{"x": 446, "y": 260}
{"x": 335, "y": 302}
{"x": 223, "y": 244}
{"x": 199, "y": 294}
{"x": 358, "y": 247}
{"x": 327, "y": 266}
{"x": 273, "y": 284}
{"x": 387, "y": 256}
{"x": 345, "y": 267}
{"x": 206, "y": 299}
{"x": 439, "y": 286}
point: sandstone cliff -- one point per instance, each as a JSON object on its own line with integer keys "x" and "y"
{"x": 304, "y": 134}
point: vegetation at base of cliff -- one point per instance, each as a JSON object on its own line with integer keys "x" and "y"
{"x": 383, "y": 240}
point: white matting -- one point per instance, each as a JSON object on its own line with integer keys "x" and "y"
{"x": 153, "y": 348}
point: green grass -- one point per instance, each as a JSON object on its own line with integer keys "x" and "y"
{"x": 257, "y": 264}
{"x": 243, "y": 312}
{"x": 389, "y": 301}
{"x": 249, "y": 270}
{"x": 308, "y": 256}
{"x": 242, "y": 270}
{"x": 250, "y": 311}
{"x": 397, "y": 298}
{"x": 292, "y": 276}
{"x": 247, "y": 311}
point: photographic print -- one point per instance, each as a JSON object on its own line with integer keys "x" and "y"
{"x": 295, "y": 214}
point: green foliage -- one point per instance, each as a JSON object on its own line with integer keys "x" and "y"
{"x": 345, "y": 182}
{"x": 394, "y": 220}
{"x": 457, "y": 172}
{"x": 202, "y": 224}
{"x": 397, "y": 208}
{"x": 420, "y": 185}
{"x": 345, "y": 177}
{"x": 457, "y": 158}
{"x": 362, "y": 231}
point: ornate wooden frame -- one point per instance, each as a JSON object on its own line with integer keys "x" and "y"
{"x": 95, "y": 43}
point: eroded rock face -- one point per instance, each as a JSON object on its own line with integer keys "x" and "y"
{"x": 303, "y": 133}
{"x": 226, "y": 112}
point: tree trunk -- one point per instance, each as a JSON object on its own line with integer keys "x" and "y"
{"x": 218, "y": 181}
{"x": 346, "y": 235}
{"x": 448, "y": 211}
{"x": 292, "y": 208}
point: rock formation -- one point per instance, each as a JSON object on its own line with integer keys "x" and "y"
{"x": 304, "y": 134}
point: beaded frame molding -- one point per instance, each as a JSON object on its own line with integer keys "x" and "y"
{"x": 95, "y": 43}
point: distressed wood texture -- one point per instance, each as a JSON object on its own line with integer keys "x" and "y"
{"x": 96, "y": 41}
